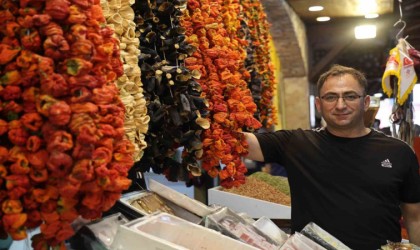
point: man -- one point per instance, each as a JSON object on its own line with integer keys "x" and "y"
{"x": 353, "y": 181}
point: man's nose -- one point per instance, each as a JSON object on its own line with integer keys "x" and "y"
{"x": 341, "y": 103}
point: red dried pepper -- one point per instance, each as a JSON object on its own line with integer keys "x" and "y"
{"x": 57, "y": 9}
{"x": 82, "y": 151}
{"x": 11, "y": 206}
{"x": 11, "y": 77}
{"x": 59, "y": 164}
{"x": 87, "y": 108}
{"x": 60, "y": 141}
{"x": 101, "y": 156}
{"x": 3, "y": 154}
{"x": 77, "y": 66}
{"x": 7, "y": 53}
{"x": 20, "y": 166}
{"x": 38, "y": 159}
{"x": 32, "y": 121}
{"x": 40, "y": 175}
{"x": 56, "y": 46}
{"x": 88, "y": 135}
{"x": 43, "y": 104}
{"x": 18, "y": 136}
{"x": 34, "y": 219}
{"x": 54, "y": 85}
{"x": 11, "y": 92}
{"x": 59, "y": 113}
{"x": 3, "y": 127}
{"x": 30, "y": 39}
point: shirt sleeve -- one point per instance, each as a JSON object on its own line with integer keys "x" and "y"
{"x": 411, "y": 186}
{"x": 273, "y": 144}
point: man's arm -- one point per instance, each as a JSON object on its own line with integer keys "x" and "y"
{"x": 254, "y": 149}
{"x": 411, "y": 214}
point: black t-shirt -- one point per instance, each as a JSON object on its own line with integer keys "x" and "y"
{"x": 351, "y": 187}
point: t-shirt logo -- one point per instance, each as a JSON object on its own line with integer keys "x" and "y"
{"x": 386, "y": 164}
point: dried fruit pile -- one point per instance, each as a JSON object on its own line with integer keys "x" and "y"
{"x": 63, "y": 152}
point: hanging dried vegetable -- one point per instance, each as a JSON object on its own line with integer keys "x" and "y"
{"x": 120, "y": 17}
{"x": 255, "y": 29}
{"x": 62, "y": 147}
{"x": 212, "y": 27}
{"x": 174, "y": 103}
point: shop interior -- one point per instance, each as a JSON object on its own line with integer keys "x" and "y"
{"x": 121, "y": 120}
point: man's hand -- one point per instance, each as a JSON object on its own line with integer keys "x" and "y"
{"x": 254, "y": 149}
{"x": 411, "y": 214}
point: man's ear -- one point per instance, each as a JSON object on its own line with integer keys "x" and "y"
{"x": 367, "y": 102}
{"x": 318, "y": 104}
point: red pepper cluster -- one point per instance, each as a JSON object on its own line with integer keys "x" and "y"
{"x": 212, "y": 27}
{"x": 63, "y": 152}
{"x": 262, "y": 84}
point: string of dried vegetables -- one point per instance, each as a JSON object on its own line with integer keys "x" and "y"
{"x": 62, "y": 147}
{"x": 174, "y": 103}
{"x": 212, "y": 27}
{"x": 120, "y": 17}
{"x": 255, "y": 28}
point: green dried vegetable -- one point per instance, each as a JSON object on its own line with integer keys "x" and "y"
{"x": 281, "y": 183}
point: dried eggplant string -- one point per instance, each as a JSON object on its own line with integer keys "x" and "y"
{"x": 120, "y": 17}
{"x": 262, "y": 82}
{"x": 173, "y": 97}
{"x": 212, "y": 27}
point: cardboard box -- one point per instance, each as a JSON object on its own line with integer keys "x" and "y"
{"x": 253, "y": 207}
{"x": 165, "y": 231}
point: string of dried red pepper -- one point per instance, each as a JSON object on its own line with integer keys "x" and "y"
{"x": 255, "y": 28}
{"x": 63, "y": 152}
{"x": 212, "y": 26}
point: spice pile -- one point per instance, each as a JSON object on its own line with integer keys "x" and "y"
{"x": 261, "y": 190}
{"x": 281, "y": 183}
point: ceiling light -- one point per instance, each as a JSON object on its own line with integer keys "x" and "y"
{"x": 316, "y": 8}
{"x": 368, "y": 6}
{"x": 323, "y": 18}
{"x": 365, "y": 31}
{"x": 371, "y": 15}
{"x": 379, "y": 95}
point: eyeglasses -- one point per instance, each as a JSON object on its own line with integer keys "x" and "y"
{"x": 348, "y": 98}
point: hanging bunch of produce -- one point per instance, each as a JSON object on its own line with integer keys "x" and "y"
{"x": 255, "y": 29}
{"x": 63, "y": 151}
{"x": 212, "y": 27}
{"x": 120, "y": 17}
{"x": 174, "y": 103}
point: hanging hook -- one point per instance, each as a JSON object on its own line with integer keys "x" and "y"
{"x": 397, "y": 36}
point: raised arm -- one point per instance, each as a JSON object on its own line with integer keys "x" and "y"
{"x": 411, "y": 214}
{"x": 254, "y": 149}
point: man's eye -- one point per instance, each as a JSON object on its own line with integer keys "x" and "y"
{"x": 351, "y": 97}
{"x": 330, "y": 98}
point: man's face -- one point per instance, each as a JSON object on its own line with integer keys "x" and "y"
{"x": 342, "y": 103}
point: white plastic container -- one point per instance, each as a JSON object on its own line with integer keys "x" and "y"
{"x": 253, "y": 207}
{"x": 165, "y": 231}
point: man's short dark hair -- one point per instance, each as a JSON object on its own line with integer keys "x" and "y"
{"x": 339, "y": 70}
